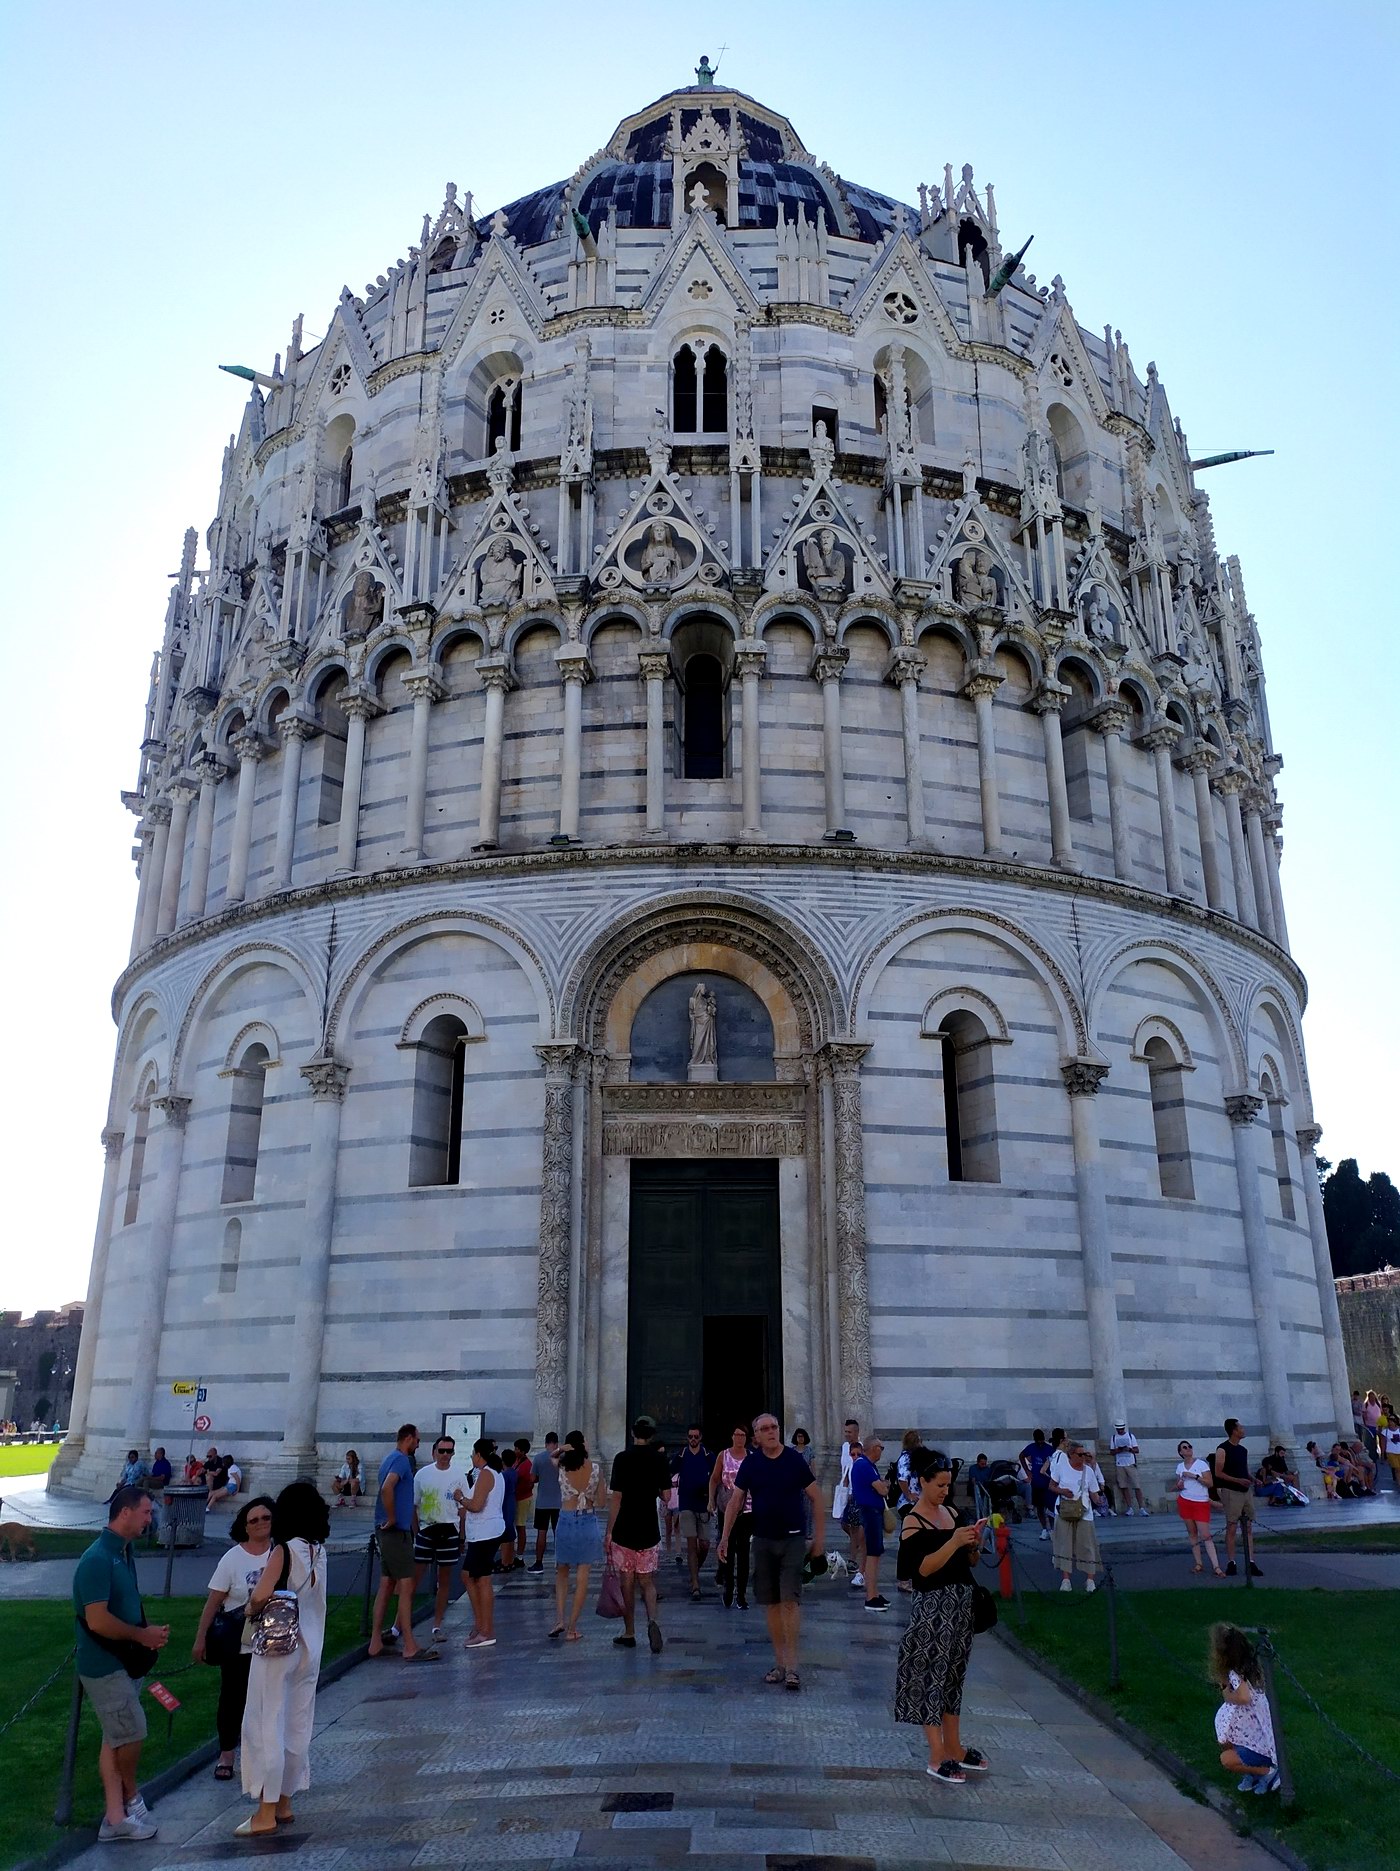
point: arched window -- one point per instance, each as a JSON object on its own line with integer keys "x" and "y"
{"x": 714, "y": 393}
{"x": 702, "y": 716}
{"x": 969, "y": 1100}
{"x": 716, "y": 186}
{"x": 684, "y": 393}
{"x": 503, "y": 415}
{"x": 346, "y": 480}
{"x": 228, "y": 1260}
{"x": 435, "y": 1145}
{"x": 1164, "y": 1079}
{"x": 245, "y": 1116}
{"x": 1286, "y": 1205}
{"x": 973, "y": 242}
{"x": 137, "y": 1165}
{"x": 700, "y": 392}
{"x": 882, "y": 405}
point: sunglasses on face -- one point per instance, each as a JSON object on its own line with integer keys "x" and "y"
{"x": 260, "y": 1520}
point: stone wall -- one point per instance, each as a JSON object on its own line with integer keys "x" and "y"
{"x": 1370, "y": 1309}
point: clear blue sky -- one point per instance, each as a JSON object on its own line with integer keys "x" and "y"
{"x": 1218, "y": 181}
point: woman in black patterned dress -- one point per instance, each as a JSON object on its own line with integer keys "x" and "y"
{"x": 936, "y": 1548}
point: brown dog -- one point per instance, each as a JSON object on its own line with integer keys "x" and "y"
{"x": 17, "y": 1541}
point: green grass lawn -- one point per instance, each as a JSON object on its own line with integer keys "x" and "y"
{"x": 1384, "y": 1538}
{"x": 59, "y": 1542}
{"x": 1341, "y": 1646}
{"x": 27, "y": 1458}
{"x": 34, "y": 1637}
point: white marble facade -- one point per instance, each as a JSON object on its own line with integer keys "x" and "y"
{"x": 707, "y": 565}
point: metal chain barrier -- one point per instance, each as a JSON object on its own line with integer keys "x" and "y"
{"x": 1323, "y": 1716}
{"x": 44, "y": 1686}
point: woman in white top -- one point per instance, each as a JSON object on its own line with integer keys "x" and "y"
{"x": 232, "y": 1648}
{"x": 1191, "y": 1482}
{"x": 486, "y": 1528}
{"x": 727, "y": 1465}
{"x": 281, "y": 1707}
{"x": 1074, "y": 1542}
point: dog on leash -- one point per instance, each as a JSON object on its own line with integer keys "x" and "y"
{"x": 17, "y": 1541}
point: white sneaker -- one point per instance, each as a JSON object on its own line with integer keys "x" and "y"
{"x": 130, "y": 1828}
{"x": 438, "y": 1633}
{"x": 137, "y": 1809}
{"x": 1090, "y": 1585}
{"x": 1045, "y": 1533}
{"x": 857, "y": 1578}
{"x": 1065, "y": 1586}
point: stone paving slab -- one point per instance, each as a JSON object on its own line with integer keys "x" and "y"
{"x": 532, "y": 1756}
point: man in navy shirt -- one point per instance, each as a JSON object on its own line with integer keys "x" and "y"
{"x": 870, "y": 1493}
{"x": 775, "y": 1478}
{"x": 691, "y": 1468}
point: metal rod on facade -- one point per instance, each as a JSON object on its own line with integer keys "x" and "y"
{"x": 63, "y": 1808}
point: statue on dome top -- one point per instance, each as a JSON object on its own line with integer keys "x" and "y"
{"x": 705, "y": 74}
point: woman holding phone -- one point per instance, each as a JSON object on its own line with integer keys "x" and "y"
{"x": 937, "y": 1545}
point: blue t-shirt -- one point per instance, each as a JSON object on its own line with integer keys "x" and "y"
{"x": 864, "y": 1475}
{"x": 692, "y": 1470}
{"x": 1036, "y": 1456}
{"x": 508, "y": 1476}
{"x": 401, "y": 1468}
{"x": 776, "y": 1485}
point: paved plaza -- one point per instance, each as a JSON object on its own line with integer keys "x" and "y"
{"x": 537, "y": 1754}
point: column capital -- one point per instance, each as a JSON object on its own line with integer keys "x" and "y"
{"x": 1309, "y": 1137}
{"x": 209, "y": 769}
{"x": 1111, "y": 717}
{"x": 750, "y": 659}
{"x": 425, "y": 685}
{"x": 248, "y": 745}
{"x": 1160, "y": 734}
{"x": 983, "y": 681}
{"x": 1050, "y": 698}
{"x": 174, "y": 1110}
{"x": 906, "y": 664}
{"x": 158, "y": 813}
{"x": 1200, "y": 757}
{"x": 1230, "y": 780}
{"x": 112, "y": 1140}
{"x": 561, "y": 1059}
{"x": 1258, "y": 799}
{"x": 654, "y": 665}
{"x": 495, "y": 673}
{"x": 326, "y": 1076}
{"x": 360, "y": 705}
{"x": 843, "y": 1057}
{"x": 1243, "y": 1107}
{"x": 828, "y": 662}
{"x": 573, "y": 664}
{"x": 295, "y": 727}
{"x": 1083, "y": 1076}
{"x": 185, "y": 787}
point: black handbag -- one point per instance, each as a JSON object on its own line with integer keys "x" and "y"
{"x": 984, "y": 1609}
{"x": 223, "y": 1641}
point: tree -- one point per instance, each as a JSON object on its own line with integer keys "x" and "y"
{"x": 1363, "y": 1219}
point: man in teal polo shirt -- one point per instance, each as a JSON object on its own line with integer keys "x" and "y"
{"x": 108, "y": 1613}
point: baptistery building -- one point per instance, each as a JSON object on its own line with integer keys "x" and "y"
{"x": 707, "y": 839}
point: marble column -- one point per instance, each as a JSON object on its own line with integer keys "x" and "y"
{"x": 1082, "y": 1079}
{"x": 1198, "y": 764}
{"x": 150, "y": 1285}
{"x": 749, "y": 660}
{"x": 158, "y": 817}
{"x": 210, "y": 772}
{"x": 1254, "y": 802}
{"x": 556, "y": 1235}
{"x": 827, "y": 667}
{"x": 574, "y": 670}
{"x": 294, "y": 731}
{"x": 425, "y": 688}
{"x": 906, "y": 668}
{"x": 1273, "y": 824}
{"x": 980, "y": 687}
{"x": 358, "y": 707}
{"x": 327, "y": 1078}
{"x": 1309, "y": 1137}
{"x": 1160, "y": 740}
{"x": 1230, "y": 784}
{"x": 655, "y": 667}
{"x": 146, "y": 836}
{"x": 1109, "y": 722}
{"x": 249, "y": 749}
{"x": 182, "y": 795}
{"x": 495, "y": 675}
{"x": 1049, "y": 700}
{"x": 841, "y": 1059}
{"x": 1242, "y": 1111}
{"x": 92, "y": 1311}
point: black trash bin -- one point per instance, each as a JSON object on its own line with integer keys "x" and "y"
{"x": 184, "y": 1516}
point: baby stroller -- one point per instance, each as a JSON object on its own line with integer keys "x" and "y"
{"x": 1001, "y": 1490}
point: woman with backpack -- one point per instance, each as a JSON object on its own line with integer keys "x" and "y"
{"x": 287, "y": 1614}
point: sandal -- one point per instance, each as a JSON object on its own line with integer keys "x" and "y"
{"x": 572, "y": 1637}
{"x": 775, "y": 1676}
{"x": 792, "y": 1680}
{"x": 1198, "y": 1568}
{"x": 558, "y": 1631}
{"x": 224, "y": 1770}
{"x": 431, "y": 1655}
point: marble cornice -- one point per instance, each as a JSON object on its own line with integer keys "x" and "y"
{"x": 1175, "y": 913}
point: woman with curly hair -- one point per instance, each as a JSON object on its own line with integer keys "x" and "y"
{"x": 281, "y": 1704}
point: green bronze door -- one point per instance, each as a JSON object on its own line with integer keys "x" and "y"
{"x": 704, "y": 1295}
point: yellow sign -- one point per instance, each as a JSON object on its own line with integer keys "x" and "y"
{"x": 183, "y": 1390}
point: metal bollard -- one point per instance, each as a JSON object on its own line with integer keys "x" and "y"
{"x": 369, "y": 1588}
{"x": 1285, "y": 1772}
{"x": 1115, "y": 1680}
{"x": 170, "y": 1554}
{"x": 63, "y": 1810}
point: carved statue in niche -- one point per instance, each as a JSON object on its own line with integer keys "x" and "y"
{"x": 498, "y": 580}
{"x": 704, "y": 1046}
{"x": 976, "y": 588}
{"x": 825, "y": 564}
{"x": 365, "y": 609}
{"x": 1098, "y": 617}
{"x": 661, "y": 560}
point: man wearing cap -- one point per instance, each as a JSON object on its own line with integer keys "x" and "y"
{"x": 1125, "y": 1454}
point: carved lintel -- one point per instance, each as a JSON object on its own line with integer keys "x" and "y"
{"x": 1243, "y": 1107}
{"x": 693, "y": 1100}
{"x": 702, "y": 1137}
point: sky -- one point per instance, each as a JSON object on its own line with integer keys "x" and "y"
{"x": 1216, "y": 181}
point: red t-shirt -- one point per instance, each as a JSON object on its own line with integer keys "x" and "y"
{"x": 524, "y": 1481}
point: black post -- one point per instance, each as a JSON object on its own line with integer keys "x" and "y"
{"x": 1016, "y": 1589}
{"x": 369, "y": 1588}
{"x": 1285, "y": 1772}
{"x": 170, "y": 1556}
{"x": 1115, "y": 1680}
{"x": 63, "y": 1810}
